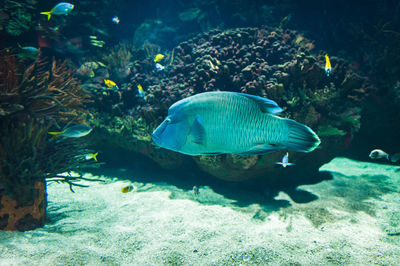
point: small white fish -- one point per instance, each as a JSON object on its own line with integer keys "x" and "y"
{"x": 115, "y": 20}
{"x": 285, "y": 161}
{"x": 378, "y": 154}
{"x": 159, "y": 67}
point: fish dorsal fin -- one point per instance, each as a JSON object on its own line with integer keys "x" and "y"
{"x": 262, "y": 149}
{"x": 266, "y": 105}
{"x": 197, "y": 131}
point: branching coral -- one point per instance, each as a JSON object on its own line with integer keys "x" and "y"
{"x": 120, "y": 61}
{"x": 42, "y": 92}
{"x": 17, "y": 16}
{"x": 30, "y": 105}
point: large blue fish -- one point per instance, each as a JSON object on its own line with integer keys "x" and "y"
{"x": 229, "y": 122}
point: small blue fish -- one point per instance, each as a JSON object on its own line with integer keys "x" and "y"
{"x": 159, "y": 67}
{"x": 75, "y": 131}
{"x": 29, "y": 49}
{"x": 59, "y": 9}
{"x": 285, "y": 161}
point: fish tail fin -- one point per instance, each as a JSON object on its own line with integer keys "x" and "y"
{"x": 94, "y": 156}
{"x": 394, "y": 158}
{"x": 301, "y": 137}
{"x": 55, "y": 133}
{"x": 48, "y": 14}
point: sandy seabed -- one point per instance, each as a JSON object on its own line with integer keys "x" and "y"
{"x": 355, "y": 219}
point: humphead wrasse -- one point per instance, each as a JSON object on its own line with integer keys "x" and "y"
{"x": 229, "y": 122}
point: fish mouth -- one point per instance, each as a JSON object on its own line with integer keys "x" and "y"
{"x": 157, "y": 133}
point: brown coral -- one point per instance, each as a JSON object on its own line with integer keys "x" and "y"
{"x": 43, "y": 96}
{"x": 22, "y": 218}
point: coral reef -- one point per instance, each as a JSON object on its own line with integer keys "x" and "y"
{"x": 118, "y": 61}
{"x": 268, "y": 62}
{"x": 33, "y": 100}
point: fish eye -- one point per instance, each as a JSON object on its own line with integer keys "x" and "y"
{"x": 168, "y": 120}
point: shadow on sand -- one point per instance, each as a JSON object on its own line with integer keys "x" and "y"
{"x": 138, "y": 168}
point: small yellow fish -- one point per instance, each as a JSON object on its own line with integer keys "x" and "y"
{"x": 91, "y": 156}
{"x": 97, "y": 43}
{"x": 328, "y": 67}
{"x": 110, "y": 84}
{"x": 127, "y": 189}
{"x": 141, "y": 91}
{"x": 158, "y": 58}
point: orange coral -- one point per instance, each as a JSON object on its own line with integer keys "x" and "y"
{"x": 37, "y": 210}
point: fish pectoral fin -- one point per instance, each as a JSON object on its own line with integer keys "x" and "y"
{"x": 266, "y": 105}
{"x": 197, "y": 131}
{"x": 262, "y": 149}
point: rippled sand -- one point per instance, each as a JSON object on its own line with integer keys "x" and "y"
{"x": 354, "y": 219}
